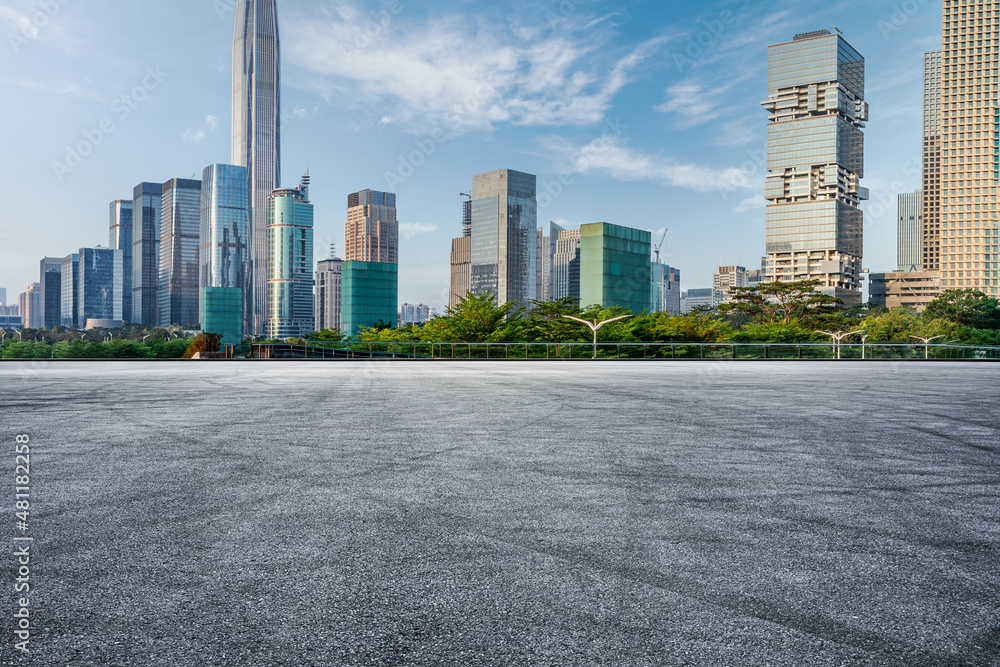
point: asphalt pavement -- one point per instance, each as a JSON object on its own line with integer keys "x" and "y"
{"x": 574, "y": 513}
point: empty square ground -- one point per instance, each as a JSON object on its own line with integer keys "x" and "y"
{"x": 690, "y": 513}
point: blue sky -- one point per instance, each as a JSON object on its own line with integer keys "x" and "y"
{"x": 635, "y": 112}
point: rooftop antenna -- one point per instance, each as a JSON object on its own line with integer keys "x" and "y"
{"x": 660, "y": 245}
{"x": 837, "y": 30}
{"x": 333, "y": 250}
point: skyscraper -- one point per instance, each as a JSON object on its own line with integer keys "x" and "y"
{"x": 566, "y": 265}
{"x": 146, "y": 209}
{"x": 328, "y": 292}
{"x": 549, "y": 273}
{"x": 100, "y": 285}
{"x": 461, "y": 269}
{"x": 120, "y": 238}
{"x": 970, "y": 132}
{"x": 31, "y": 307}
{"x": 370, "y": 272}
{"x": 180, "y": 228}
{"x": 666, "y": 289}
{"x": 414, "y": 313}
{"x": 467, "y": 217}
{"x": 615, "y": 266}
{"x": 910, "y": 242}
{"x": 372, "y": 232}
{"x": 50, "y": 279}
{"x": 815, "y": 161}
{"x": 504, "y": 222}
{"x": 68, "y": 290}
{"x": 728, "y": 277}
{"x": 290, "y": 299}
{"x": 224, "y": 252}
{"x": 257, "y": 128}
{"x": 931, "y": 202}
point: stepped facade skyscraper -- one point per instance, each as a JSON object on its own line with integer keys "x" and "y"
{"x": 815, "y": 162}
{"x": 256, "y": 129}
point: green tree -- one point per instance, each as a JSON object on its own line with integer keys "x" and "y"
{"x": 696, "y": 327}
{"x": 409, "y": 333}
{"x": 547, "y": 323}
{"x": 790, "y": 303}
{"x": 28, "y": 349}
{"x": 81, "y": 349}
{"x": 169, "y": 349}
{"x": 775, "y": 332}
{"x": 327, "y": 335}
{"x": 130, "y": 349}
{"x": 968, "y": 308}
{"x": 893, "y": 326}
{"x": 476, "y": 319}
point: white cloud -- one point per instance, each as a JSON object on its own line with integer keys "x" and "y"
{"x": 448, "y": 74}
{"x": 693, "y": 103}
{"x": 20, "y": 21}
{"x": 611, "y": 156}
{"x": 411, "y": 229}
{"x": 757, "y": 201}
{"x": 210, "y": 126}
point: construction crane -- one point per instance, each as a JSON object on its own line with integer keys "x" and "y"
{"x": 660, "y": 245}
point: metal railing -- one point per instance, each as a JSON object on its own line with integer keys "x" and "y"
{"x": 615, "y": 351}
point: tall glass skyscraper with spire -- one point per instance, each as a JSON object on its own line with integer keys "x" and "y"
{"x": 256, "y": 129}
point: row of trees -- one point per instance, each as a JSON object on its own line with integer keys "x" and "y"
{"x": 771, "y": 312}
{"x": 129, "y": 342}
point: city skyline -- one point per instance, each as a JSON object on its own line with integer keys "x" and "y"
{"x": 602, "y": 150}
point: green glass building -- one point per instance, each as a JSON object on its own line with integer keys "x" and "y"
{"x": 615, "y": 266}
{"x": 221, "y": 312}
{"x": 369, "y": 293}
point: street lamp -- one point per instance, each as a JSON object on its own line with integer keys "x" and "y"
{"x": 926, "y": 342}
{"x": 863, "y": 339}
{"x": 20, "y": 338}
{"x": 145, "y": 337}
{"x": 595, "y": 326}
{"x": 839, "y": 336}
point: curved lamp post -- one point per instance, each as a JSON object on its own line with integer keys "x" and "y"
{"x": 863, "y": 339}
{"x": 839, "y": 336}
{"x": 595, "y": 326}
{"x": 926, "y": 342}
